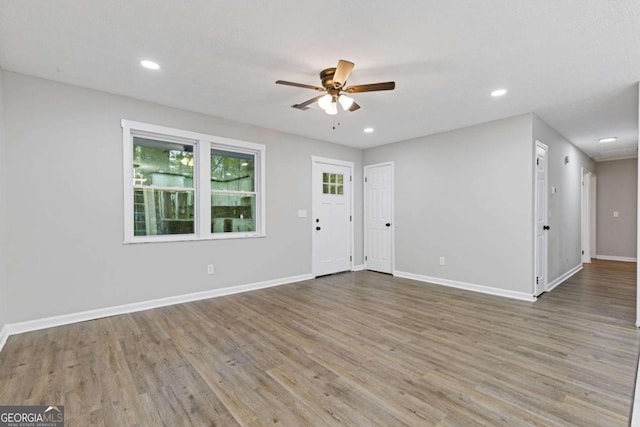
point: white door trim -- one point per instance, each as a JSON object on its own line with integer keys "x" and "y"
{"x": 393, "y": 211}
{"x": 587, "y": 214}
{"x": 535, "y": 211}
{"x": 584, "y": 216}
{"x": 316, "y": 160}
{"x": 593, "y": 209}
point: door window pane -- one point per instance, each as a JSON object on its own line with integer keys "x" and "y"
{"x": 332, "y": 183}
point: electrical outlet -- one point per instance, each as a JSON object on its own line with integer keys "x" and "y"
{"x": 210, "y": 269}
{"x": 442, "y": 260}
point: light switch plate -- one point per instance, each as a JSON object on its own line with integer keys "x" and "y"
{"x": 302, "y": 213}
{"x": 615, "y": 214}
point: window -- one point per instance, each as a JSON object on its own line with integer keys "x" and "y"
{"x": 182, "y": 185}
{"x": 163, "y": 188}
{"x": 233, "y": 195}
{"x": 332, "y": 183}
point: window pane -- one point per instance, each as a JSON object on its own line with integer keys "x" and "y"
{"x": 162, "y": 164}
{"x": 340, "y": 189}
{"x": 232, "y": 213}
{"x": 157, "y": 212}
{"x": 340, "y": 178}
{"x": 325, "y": 177}
{"x": 232, "y": 171}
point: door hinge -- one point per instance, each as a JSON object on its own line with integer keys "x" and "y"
{"x": 537, "y": 280}
{"x": 350, "y": 258}
{"x": 350, "y": 178}
{"x": 365, "y": 179}
{"x": 582, "y": 252}
{"x": 365, "y": 257}
{"x": 350, "y": 218}
{"x": 537, "y": 162}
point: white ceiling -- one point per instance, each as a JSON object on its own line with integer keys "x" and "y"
{"x": 575, "y": 63}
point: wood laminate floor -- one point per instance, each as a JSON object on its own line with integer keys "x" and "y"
{"x": 356, "y": 349}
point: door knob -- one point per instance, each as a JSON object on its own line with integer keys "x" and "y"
{"x": 388, "y": 224}
{"x": 546, "y": 227}
{"x": 318, "y": 228}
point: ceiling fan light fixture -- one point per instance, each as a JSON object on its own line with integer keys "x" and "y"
{"x": 325, "y": 101}
{"x": 332, "y": 109}
{"x": 345, "y": 101}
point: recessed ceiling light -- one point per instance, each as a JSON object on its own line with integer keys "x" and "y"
{"x": 150, "y": 64}
{"x": 608, "y": 139}
{"x": 368, "y": 130}
{"x": 498, "y": 92}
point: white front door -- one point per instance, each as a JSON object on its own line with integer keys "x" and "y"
{"x": 378, "y": 212}
{"x": 541, "y": 225}
{"x": 331, "y": 216}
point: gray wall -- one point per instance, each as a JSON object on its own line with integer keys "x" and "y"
{"x": 466, "y": 195}
{"x": 3, "y": 283}
{"x": 564, "y": 206}
{"x": 64, "y": 198}
{"x": 617, "y": 191}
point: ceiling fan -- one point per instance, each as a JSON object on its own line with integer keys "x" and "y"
{"x": 333, "y": 86}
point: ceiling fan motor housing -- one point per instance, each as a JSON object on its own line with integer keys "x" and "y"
{"x": 326, "y": 76}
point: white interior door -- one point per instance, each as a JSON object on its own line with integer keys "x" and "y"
{"x": 541, "y": 214}
{"x": 332, "y": 231}
{"x": 586, "y": 216}
{"x": 378, "y": 213}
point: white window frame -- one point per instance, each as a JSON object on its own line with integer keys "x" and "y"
{"x": 203, "y": 144}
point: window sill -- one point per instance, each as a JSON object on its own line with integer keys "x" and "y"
{"x": 189, "y": 238}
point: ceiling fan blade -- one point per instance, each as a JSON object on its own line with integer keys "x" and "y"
{"x": 354, "y": 106}
{"x": 373, "y": 87}
{"x": 282, "y": 82}
{"x": 343, "y": 70}
{"x": 304, "y": 105}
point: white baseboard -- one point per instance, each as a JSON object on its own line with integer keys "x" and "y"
{"x": 65, "y": 319}
{"x": 467, "y": 286}
{"x": 555, "y": 282}
{"x": 4, "y": 334}
{"x": 359, "y": 267}
{"x": 616, "y": 258}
